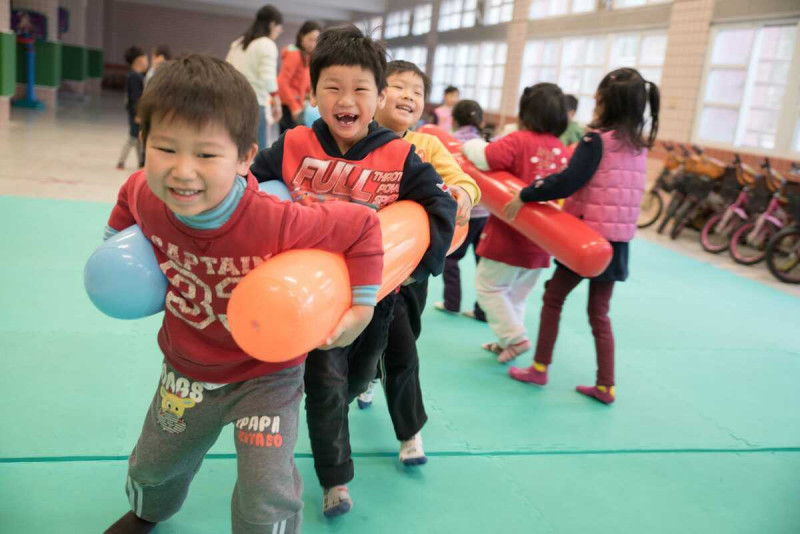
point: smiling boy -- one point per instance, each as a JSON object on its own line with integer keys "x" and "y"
{"x": 198, "y": 206}
{"x": 346, "y": 156}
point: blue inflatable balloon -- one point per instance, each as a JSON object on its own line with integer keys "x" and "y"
{"x": 276, "y": 188}
{"x": 123, "y": 279}
{"x": 310, "y": 114}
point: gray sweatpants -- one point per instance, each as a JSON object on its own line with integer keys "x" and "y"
{"x": 183, "y": 422}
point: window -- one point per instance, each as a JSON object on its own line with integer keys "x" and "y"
{"x": 454, "y": 14}
{"x": 578, "y": 64}
{"x": 477, "y": 69}
{"x": 497, "y": 11}
{"x": 622, "y": 4}
{"x": 371, "y": 27}
{"x": 541, "y": 9}
{"x": 398, "y": 24}
{"x": 745, "y": 87}
{"x": 415, "y": 54}
{"x": 422, "y": 19}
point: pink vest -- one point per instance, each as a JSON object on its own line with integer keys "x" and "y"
{"x": 609, "y": 202}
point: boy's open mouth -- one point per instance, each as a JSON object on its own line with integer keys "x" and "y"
{"x": 183, "y": 194}
{"x": 346, "y": 119}
{"x": 403, "y": 107}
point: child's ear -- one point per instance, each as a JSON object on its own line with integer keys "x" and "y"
{"x": 382, "y": 99}
{"x": 243, "y": 165}
{"x": 313, "y": 98}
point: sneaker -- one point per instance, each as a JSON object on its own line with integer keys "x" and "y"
{"x": 336, "y": 501}
{"x": 365, "y": 399}
{"x": 531, "y": 375}
{"x": 440, "y": 306}
{"x": 130, "y": 524}
{"x": 411, "y": 452}
{"x": 120, "y": 166}
{"x": 492, "y": 347}
{"x": 604, "y": 394}
{"x": 512, "y": 351}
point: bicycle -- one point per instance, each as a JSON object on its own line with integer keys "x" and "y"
{"x": 652, "y": 202}
{"x": 715, "y": 237}
{"x": 705, "y": 175}
{"x": 748, "y": 244}
{"x": 678, "y": 184}
{"x": 783, "y": 250}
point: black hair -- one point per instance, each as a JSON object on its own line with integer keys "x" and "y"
{"x": 398, "y": 66}
{"x": 199, "y": 89}
{"x": 346, "y": 46}
{"x": 572, "y": 102}
{"x": 132, "y": 53}
{"x": 451, "y": 89}
{"x": 163, "y": 51}
{"x": 307, "y": 27}
{"x": 468, "y": 113}
{"x": 622, "y": 97}
{"x": 542, "y": 109}
{"x": 261, "y": 27}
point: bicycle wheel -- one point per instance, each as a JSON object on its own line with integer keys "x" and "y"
{"x": 683, "y": 216}
{"x": 715, "y": 237}
{"x": 674, "y": 203}
{"x": 748, "y": 248}
{"x": 783, "y": 255}
{"x": 650, "y": 209}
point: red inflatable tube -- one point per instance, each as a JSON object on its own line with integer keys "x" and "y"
{"x": 564, "y": 236}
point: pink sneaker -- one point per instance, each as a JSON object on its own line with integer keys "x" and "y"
{"x": 529, "y": 375}
{"x": 601, "y": 393}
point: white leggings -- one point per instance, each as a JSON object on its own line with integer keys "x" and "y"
{"x": 502, "y": 293}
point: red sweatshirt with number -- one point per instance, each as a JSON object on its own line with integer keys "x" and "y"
{"x": 204, "y": 266}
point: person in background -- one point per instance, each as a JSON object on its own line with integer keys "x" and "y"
{"x": 294, "y": 80}
{"x": 255, "y": 55}
{"x": 574, "y": 131}
{"x": 134, "y": 87}
{"x": 443, "y": 115}
{"x": 468, "y": 121}
{"x": 158, "y": 55}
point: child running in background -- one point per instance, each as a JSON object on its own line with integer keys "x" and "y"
{"x": 443, "y": 115}
{"x": 574, "y": 131}
{"x": 134, "y": 86}
{"x": 209, "y": 224}
{"x": 407, "y": 89}
{"x": 346, "y": 156}
{"x": 510, "y": 262}
{"x": 604, "y": 182}
{"x": 468, "y": 122}
{"x": 158, "y": 55}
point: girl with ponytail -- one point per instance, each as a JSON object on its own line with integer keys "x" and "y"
{"x": 604, "y": 183}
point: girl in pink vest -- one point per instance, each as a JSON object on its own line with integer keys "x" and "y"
{"x": 604, "y": 182}
{"x": 511, "y": 263}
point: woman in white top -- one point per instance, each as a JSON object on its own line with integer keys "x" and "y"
{"x": 255, "y": 55}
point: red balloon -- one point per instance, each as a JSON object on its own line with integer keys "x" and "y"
{"x": 564, "y": 236}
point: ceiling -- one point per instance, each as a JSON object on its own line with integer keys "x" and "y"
{"x": 293, "y": 10}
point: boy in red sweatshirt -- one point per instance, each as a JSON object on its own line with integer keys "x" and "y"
{"x": 197, "y": 204}
{"x": 346, "y": 156}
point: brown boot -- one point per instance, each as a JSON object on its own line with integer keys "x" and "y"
{"x": 131, "y": 524}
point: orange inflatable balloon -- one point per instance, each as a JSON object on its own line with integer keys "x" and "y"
{"x": 406, "y": 237}
{"x": 289, "y": 304}
{"x": 564, "y": 236}
{"x": 459, "y": 236}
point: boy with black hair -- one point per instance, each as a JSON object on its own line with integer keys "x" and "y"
{"x": 407, "y": 89}
{"x": 346, "y": 156}
{"x": 574, "y": 131}
{"x": 134, "y": 86}
{"x": 198, "y": 206}
{"x": 158, "y": 55}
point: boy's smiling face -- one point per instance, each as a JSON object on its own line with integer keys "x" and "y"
{"x": 405, "y": 101}
{"x": 347, "y": 98}
{"x": 192, "y": 168}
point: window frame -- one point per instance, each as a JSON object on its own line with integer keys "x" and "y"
{"x": 787, "y": 141}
